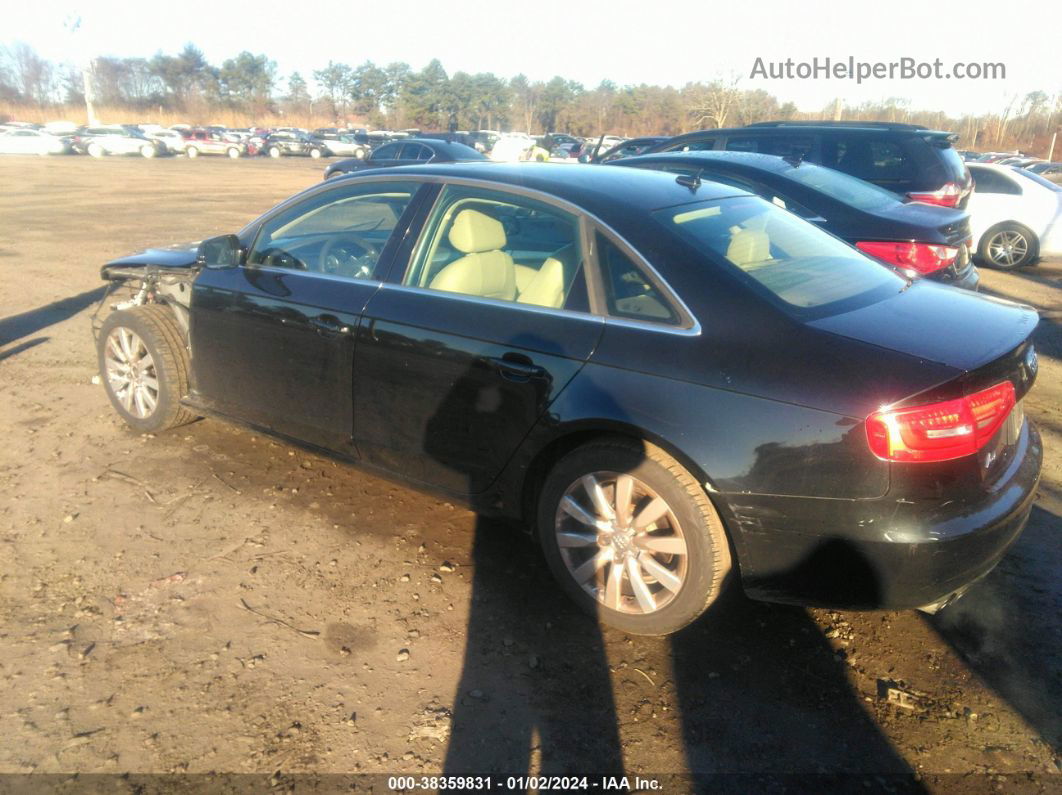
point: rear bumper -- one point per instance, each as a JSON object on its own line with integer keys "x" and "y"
{"x": 883, "y": 553}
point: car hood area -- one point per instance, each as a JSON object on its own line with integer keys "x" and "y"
{"x": 178, "y": 255}
{"x": 938, "y": 323}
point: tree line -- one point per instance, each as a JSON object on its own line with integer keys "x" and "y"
{"x": 395, "y": 96}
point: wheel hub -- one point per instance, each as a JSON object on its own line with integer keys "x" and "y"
{"x": 621, "y": 542}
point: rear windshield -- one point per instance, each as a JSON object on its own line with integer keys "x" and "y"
{"x": 1038, "y": 179}
{"x": 792, "y": 260}
{"x": 855, "y": 192}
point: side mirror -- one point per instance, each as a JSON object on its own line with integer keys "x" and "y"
{"x": 219, "y": 252}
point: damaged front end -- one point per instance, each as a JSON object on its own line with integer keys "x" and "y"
{"x": 153, "y": 276}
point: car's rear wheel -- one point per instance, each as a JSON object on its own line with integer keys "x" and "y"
{"x": 191, "y": 151}
{"x": 1008, "y": 246}
{"x": 95, "y": 150}
{"x": 147, "y": 150}
{"x": 144, "y": 367}
{"x": 359, "y": 154}
{"x": 233, "y": 152}
{"x": 315, "y": 153}
{"x": 632, "y": 536}
{"x": 274, "y": 151}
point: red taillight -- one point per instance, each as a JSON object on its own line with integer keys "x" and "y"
{"x": 947, "y": 196}
{"x": 940, "y": 431}
{"x": 922, "y": 257}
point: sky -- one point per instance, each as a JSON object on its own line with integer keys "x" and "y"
{"x": 672, "y": 42}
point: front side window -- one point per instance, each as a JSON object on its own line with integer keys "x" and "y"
{"x": 491, "y": 244}
{"x": 339, "y": 233}
{"x": 793, "y": 260}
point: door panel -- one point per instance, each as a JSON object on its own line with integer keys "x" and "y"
{"x": 275, "y": 348}
{"x": 273, "y": 340}
{"x": 446, "y": 387}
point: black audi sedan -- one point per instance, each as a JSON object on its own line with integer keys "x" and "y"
{"x": 407, "y": 152}
{"x": 674, "y": 382}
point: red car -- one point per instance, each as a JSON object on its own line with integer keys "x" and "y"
{"x": 207, "y": 142}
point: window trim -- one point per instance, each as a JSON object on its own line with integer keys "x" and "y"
{"x": 689, "y": 324}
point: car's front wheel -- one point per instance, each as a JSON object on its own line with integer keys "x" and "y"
{"x": 233, "y": 152}
{"x": 192, "y": 151}
{"x": 1008, "y": 246}
{"x": 147, "y": 150}
{"x": 95, "y": 150}
{"x": 315, "y": 154}
{"x": 144, "y": 367}
{"x": 632, "y": 536}
{"x": 274, "y": 151}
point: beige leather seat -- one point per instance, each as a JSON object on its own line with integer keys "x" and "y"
{"x": 484, "y": 270}
{"x": 547, "y": 286}
{"x": 748, "y": 246}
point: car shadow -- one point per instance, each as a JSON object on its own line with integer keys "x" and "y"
{"x": 535, "y": 693}
{"x": 15, "y": 350}
{"x": 1007, "y": 627}
{"x": 15, "y": 327}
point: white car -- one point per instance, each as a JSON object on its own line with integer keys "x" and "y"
{"x": 174, "y": 141}
{"x": 1015, "y": 216}
{"x": 33, "y": 142}
{"x": 345, "y": 145}
{"x": 512, "y": 146}
{"x": 118, "y": 140}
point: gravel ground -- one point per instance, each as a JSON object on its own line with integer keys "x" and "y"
{"x": 212, "y": 600}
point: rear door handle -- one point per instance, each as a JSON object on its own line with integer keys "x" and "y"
{"x": 329, "y": 325}
{"x": 517, "y": 367}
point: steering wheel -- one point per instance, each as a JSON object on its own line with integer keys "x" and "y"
{"x": 279, "y": 258}
{"x": 335, "y": 257}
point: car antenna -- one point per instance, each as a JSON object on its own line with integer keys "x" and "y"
{"x": 691, "y": 181}
{"x": 794, "y": 158}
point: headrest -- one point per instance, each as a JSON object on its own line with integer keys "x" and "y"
{"x": 473, "y": 231}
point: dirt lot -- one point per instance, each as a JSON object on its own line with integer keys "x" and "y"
{"x": 213, "y": 600}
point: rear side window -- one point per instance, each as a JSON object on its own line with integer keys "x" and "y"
{"x": 874, "y": 159}
{"x": 700, "y": 145}
{"x": 988, "y": 181}
{"x": 388, "y": 152}
{"x": 791, "y": 259}
{"x": 780, "y": 145}
{"x": 629, "y": 292}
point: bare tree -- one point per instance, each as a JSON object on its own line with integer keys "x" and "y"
{"x": 712, "y": 103}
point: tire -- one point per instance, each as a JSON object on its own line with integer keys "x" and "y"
{"x": 689, "y": 522}
{"x": 152, "y": 330}
{"x": 233, "y": 153}
{"x": 148, "y": 151}
{"x": 315, "y": 154}
{"x": 191, "y": 151}
{"x": 1008, "y": 246}
{"x": 359, "y": 154}
{"x": 95, "y": 150}
{"x": 274, "y": 151}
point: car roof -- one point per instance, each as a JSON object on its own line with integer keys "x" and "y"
{"x": 747, "y": 161}
{"x": 455, "y": 149}
{"x": 773, "y": 128}
{"x": 591, "y": 187}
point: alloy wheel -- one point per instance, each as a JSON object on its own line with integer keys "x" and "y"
{"x": 131, "y": 373}
{"x": 621, "y": 542}
{"x": 1007, "y": 248}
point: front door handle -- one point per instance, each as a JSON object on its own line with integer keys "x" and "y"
{"x": 517, "y": 367}
{"x": 329, "y": 325}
